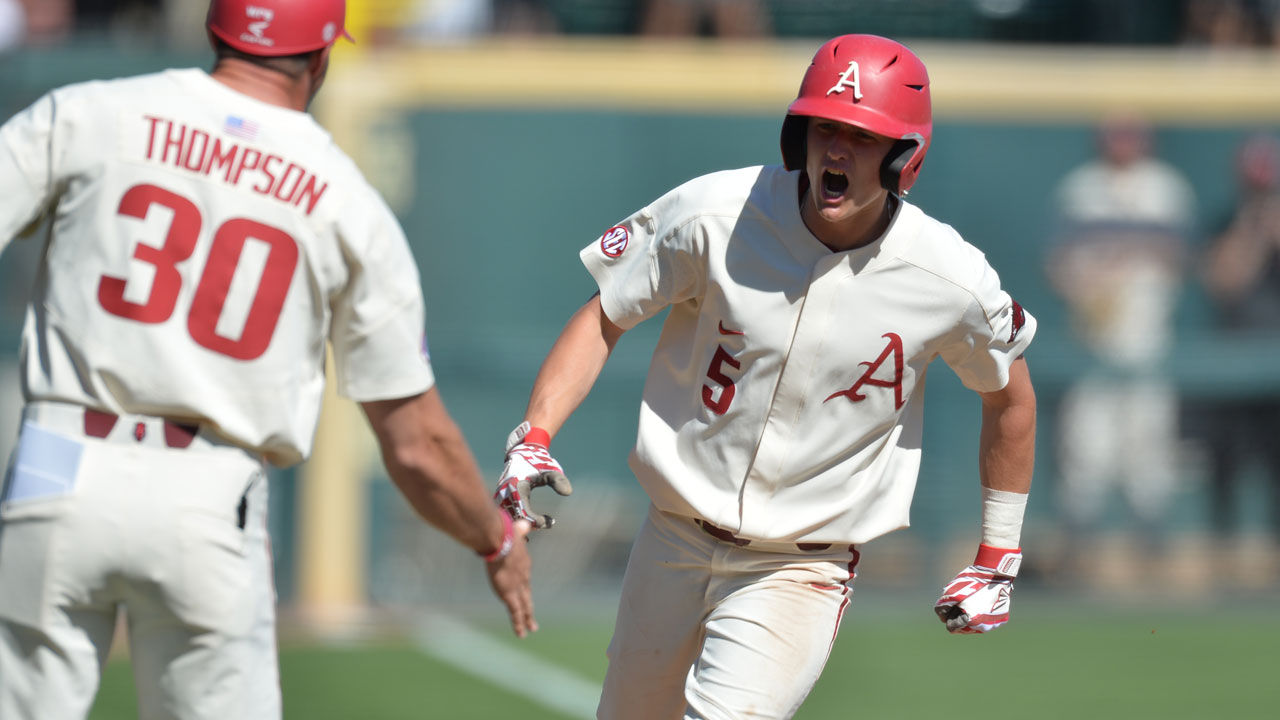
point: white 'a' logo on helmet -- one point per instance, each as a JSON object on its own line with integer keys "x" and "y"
{"x": 848, "y": 78}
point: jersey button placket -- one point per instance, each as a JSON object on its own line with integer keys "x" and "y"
{"x": 777, "y": 444}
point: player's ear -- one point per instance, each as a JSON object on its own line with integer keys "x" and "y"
{"x": 318, "y": 67}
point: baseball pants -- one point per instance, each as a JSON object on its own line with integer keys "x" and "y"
{"x": 165, "y": 527}
{"x": 714, "y": 629}
{"x": 1118, "y": 434}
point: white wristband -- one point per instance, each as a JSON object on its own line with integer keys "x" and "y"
{"x": 1002, "y": 513}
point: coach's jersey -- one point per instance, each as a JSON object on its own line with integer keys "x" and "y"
{"x": 785, "y": 397}
{"x": 201, "y": 246}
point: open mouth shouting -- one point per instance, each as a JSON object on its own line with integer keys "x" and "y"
{"x": 834, "y": 184}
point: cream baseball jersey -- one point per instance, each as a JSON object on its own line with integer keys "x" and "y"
{"x": 785, "y": 396}
{"x": 201, "y": 246}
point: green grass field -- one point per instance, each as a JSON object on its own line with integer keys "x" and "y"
{"x": 892, "y": 660}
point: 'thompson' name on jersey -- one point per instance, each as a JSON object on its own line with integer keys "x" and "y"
{"x": 204, "y": 269}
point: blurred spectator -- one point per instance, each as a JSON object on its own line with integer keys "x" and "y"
{"x": 1125, "y": 220}
{"x": 718, "y": 18}
{"x": 13, "y": 24}
{"x": 451, "y": 19}
{"x": 1242, "y": 276}
{"x": 47, "y": 20}
{"x": 1271, "y": 21}
{"x": 184, "y": 23}
{"x": 523, "y": 17}
{"x": 141, "y": 17}
{"x": 1229, "y": 23}
{"x": 436, "y": 20}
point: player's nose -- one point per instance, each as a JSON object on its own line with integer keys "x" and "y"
{"x": 841, "y": 146}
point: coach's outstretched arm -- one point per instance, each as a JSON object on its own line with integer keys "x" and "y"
{"x": 564, "y": 380}
{"x": 978, "y": 599}
{"x": 429, "y": 460}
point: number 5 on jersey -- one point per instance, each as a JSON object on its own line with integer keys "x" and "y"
{"x": 715, "y": 372}
{"x": 218, "y": 282}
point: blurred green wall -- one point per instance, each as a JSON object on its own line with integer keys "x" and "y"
{"x": 505, "y": 200}
{"x": 498, "y": 197}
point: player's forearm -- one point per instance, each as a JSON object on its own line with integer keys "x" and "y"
{"x": 1006, "y": 455}
{"x": 428, "y": 459}
{"x": 572, "y": 367}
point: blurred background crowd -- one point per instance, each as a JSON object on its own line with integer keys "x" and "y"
{"x": 1159, "y": 272}
{"x": 1224, "y": 23}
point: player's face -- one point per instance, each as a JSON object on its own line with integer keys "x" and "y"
{"x": 843, "y": 164}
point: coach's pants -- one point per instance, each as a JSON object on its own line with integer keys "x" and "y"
{"x": 175, "y": 538}
{"x": 709, "y": 629}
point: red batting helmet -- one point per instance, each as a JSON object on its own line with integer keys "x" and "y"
{"x": 876, "y": 84}
{"x": 278, "y": 27}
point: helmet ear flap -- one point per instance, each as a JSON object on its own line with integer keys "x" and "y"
{"x": 895, "y": 162}
{"x": 794, "y": 129}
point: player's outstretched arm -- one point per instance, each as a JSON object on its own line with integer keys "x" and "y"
{"x": 978, "y": 598}
{"x": 430, "y": 462}
{"x": 572, "y": 367}
{"x": 565, "y": 378}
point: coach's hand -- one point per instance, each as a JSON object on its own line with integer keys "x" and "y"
{"x": 510, "y": 570}
{"x": 978, "y": 599}
{"x": 529, "y": 465}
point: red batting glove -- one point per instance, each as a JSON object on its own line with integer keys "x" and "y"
{"x": 978, "y": 599}
{"x": 529, "y": 465}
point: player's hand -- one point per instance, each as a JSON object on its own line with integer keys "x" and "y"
{"x": 510, "y": 576}
{"x": 529, "y": 465}
{"x": 978, "y": 599}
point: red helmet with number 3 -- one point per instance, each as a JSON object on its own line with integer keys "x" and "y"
{"x": 278, "y": 27}
{"x": 876, "y": 84}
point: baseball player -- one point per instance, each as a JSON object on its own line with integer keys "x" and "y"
{"x": 202, "y": 239}
{"x": 780, "y": 427}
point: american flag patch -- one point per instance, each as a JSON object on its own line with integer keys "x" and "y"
{"x": 241, "y": 128}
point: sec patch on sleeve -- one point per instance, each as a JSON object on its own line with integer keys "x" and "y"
{"x": 614, "y": 241}
{"x": 1019, "y": 319}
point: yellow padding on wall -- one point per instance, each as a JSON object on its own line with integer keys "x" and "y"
{"x": 970, "y": 82}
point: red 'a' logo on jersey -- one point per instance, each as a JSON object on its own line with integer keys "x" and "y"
{"x": 894, "y": 348}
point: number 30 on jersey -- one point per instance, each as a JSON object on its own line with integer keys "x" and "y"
{"x": 205, "y": 321}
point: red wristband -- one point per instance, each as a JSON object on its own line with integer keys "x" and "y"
{"x": 537, "y": 436}
{"x": 1004, "y": 561}
{"x": 508, "y": 539}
